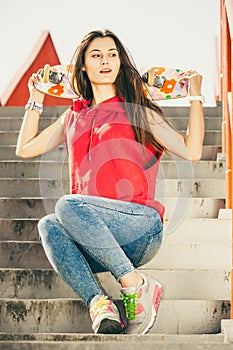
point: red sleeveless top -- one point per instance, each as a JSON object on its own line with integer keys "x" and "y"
{"x": 104, "y": 157}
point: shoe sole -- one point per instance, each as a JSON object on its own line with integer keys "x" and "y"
{"x": 108, "y": 326}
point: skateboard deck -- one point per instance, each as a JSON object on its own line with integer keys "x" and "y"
{"x": 161, "y": 83}
{"x": 55, "y": 81}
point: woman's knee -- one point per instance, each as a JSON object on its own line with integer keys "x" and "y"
{"x": 63, "y": 206}
{"x": 45, "y": 224}
{"x": 67, "y": 206}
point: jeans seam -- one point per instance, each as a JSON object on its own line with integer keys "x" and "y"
{"x": 70, "y": 207}
{"x": 99, "y": 258}
{"x": 149, "y": 238}
{"x": 116, "y": 210}
{"x": 91, "y": 275}
{"x": 104, "y": 265}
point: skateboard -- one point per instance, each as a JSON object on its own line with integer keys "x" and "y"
{"x": 55, "y": 81}
{"x": 161, "y": 83}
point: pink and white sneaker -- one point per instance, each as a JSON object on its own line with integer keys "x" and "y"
{"x": 141, "y": 305}
{"x": 105, "y": 316}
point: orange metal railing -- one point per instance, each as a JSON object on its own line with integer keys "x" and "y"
{"x": 226, "y": 96}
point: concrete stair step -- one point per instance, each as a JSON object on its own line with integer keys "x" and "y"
{"x": 26, "y": 228}
{"x": 180, "y": 123}
{"x": 179, "y": 284}
{"x": 191, "y": 256}
{"x": 183, "y": 112}
{"x": 55, "y": 111}
{"x": 209, "y": 152}
{"x": 176, "y": 208}
{"x": 27, "y": 207}
{"x": 198, "y": 230}
{"x": 19, "y": 229}
{"x": 27, "y": 187}
{"x": 53, "y": 169}
{"x": 207, "y": 188}
{"x": 118, "y": 338}
{"x": 59, "y": 154}
{"x": 186, "y": 230}
{"x": 194, "y": 244}
{"x": 200, "y": 188}
{"x": 212, "y": 137}
{"x": 8, "y": 137}
{"x": 187, "y": 255}
{"x": 7, "y": 152}
{"x": 22, "y": 255}
{"x": 125, "y": 343}
{"x": 202, "y": 230}
{"x": 70, "y": 315}
{"x": 199, "y": 170}
{"x": 186, "y": 207}
{"x": 34, "y": 169}
{"x": 64, "y": 341}
{"x": 13, "y": 124}
{"x": 18, "y": 112}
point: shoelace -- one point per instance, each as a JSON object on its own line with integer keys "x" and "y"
{"x": 100, "y": 306}
{"x": 130, "y": 302}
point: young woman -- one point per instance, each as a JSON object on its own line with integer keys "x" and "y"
{"x": 115, "y": 137}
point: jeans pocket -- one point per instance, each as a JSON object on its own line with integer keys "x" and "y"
{"x": 151, "y": 249}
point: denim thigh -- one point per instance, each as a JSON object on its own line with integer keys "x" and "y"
{"x": 143, "y": 249}
{"x": 137, "y": 228}
{"x": 140, "y": 251}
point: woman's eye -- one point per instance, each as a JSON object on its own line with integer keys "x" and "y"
{"x": 97, "y": 55}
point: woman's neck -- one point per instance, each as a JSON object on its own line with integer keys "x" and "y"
{"x": 102, "y": 93}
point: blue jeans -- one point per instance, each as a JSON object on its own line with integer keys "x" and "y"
{"x": 89, "y": 234}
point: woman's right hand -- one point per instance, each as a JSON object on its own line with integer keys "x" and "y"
{"x": 35, "y": 95}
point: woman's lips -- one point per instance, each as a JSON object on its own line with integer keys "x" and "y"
{"x": 105, "y": 70}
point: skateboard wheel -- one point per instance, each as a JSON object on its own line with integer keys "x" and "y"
{"x": 151, "y": 74}
{"x": 46, "y": 73}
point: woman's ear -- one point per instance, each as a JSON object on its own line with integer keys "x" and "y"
{"x": 83, "y": 69}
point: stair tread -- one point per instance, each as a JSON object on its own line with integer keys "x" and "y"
{"x": 71, "y": 315}
{"x": 96, "y": 345}
{"x": 114, "y": 337}
{"x": 44, "y": 283}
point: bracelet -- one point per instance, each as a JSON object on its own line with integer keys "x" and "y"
{"x": 34, "y": 106}
{"x": 197, "y": 98}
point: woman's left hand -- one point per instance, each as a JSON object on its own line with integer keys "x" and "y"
{"x": 195, "y": 81}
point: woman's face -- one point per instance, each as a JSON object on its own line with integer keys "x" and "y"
{"x": 102, "y": 62}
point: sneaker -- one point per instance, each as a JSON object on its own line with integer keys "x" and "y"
{"x": 105, "y": 316}
{"x": 141, "y": 305}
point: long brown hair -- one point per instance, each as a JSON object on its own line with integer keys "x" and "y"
{"x": 128, "y": 85}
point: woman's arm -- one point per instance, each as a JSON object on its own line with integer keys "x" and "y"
{"x": 190, "y": 146}
{"x": 31, "y": 143}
